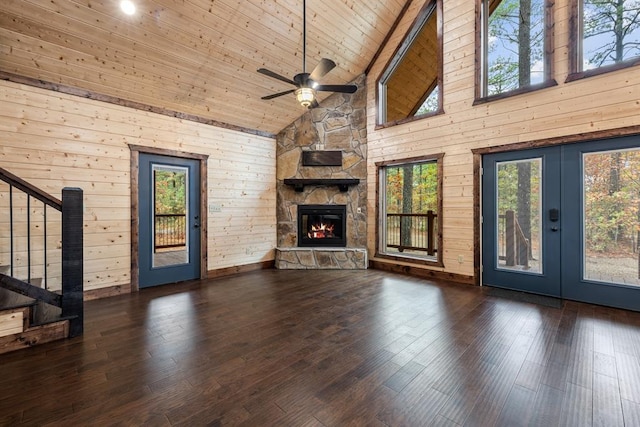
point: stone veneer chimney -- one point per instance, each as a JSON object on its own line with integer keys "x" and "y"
{"x": 338, "y": 124}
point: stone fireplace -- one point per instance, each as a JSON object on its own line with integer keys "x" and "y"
{"x": 321, "y": 180}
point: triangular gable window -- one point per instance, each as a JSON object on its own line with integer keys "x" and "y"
{"x": 410, "y": 85}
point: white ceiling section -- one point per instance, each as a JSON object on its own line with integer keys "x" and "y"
{"x": 197, "y": 57}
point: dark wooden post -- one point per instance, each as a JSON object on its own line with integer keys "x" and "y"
{"x": 431, "y": 250}
{"x": 72, "y": 260}
{"x": 401, "y": 224}
{"x": 510, "y": 238}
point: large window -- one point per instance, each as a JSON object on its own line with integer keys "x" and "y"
{"x": 606, "y": 35}
{"x": 514, "y": 47}
{"x": 411, "y": 84}
{"x": 410, "y": 210}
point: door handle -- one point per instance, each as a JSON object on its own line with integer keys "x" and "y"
{"x": 554, "y": 228}
{"x": 554, "y": 215}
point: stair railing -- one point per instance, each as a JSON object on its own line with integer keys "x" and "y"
{"x": 70, "y": 300}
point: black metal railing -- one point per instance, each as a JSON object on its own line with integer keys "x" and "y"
{"x": 170, "y": 231}
{"x": 28, "y": 250}
{"x": 416, "y": 232}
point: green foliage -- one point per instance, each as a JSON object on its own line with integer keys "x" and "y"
{"x": 424, "y": 188}
{"x": 612, "y": 199}
{"x": 430, "y": 105}
{"x": 509, "y": 188}
{"x": 170, "y": 192}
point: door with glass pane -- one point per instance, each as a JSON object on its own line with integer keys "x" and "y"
{"x": 169, "y": 223}
{"x": 600, "y": 238}
{"x": 565, "y": 221}
{"x": 521, "y": 216}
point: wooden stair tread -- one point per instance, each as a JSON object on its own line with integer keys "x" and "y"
{"x": 44, "y": 313}
{"x": 10, "y": 300}
{"x": 35, "y": 335}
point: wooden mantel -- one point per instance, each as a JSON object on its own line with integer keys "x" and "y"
{"x": 342, "y": 183}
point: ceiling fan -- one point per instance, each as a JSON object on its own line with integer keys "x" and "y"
{"x": 307, "y": 83}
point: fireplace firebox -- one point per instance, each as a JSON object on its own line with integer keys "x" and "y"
{"x": 322, "y": 225}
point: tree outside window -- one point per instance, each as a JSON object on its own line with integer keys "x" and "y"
{"x": 610, "y": 33}
{"x": 611, "y": 215}
{"x": 514, "y": 45}
{"x": 411, "y": 210}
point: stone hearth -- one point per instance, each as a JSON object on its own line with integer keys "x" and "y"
{"x": 321, "y": 258}
{"x": 338, "y": 124}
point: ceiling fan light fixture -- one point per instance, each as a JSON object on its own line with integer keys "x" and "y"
{"x": 305, "y": 96}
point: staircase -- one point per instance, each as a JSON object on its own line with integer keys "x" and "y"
{"x": 41, "y": 290}
{"x": 25, "y": 322}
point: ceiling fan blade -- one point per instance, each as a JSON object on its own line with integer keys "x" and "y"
{"x": 314, "y": 104}
{"x": 337, "y": 88}
{"x": 324, "y": 66}
{"x": 275, "y": 76}
{"x": 275, "y": 95}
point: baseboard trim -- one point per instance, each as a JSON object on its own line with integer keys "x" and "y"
{"x": 230, "y": 271}
{"x": 111, "y": 291}
{"x": 421, "y": 272}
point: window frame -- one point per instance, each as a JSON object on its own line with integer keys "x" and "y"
{"x": 482, "y": 23}
{"x": 575, "y": 49}
{"x": 381, "y": 210}
{"x": 429, "y": 7}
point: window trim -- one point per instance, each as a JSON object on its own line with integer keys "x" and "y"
{"x": 481, "y": 55}
{"x": 438, "y": 158}
{"x": 575, "y": 49}
{"x": 416, "y": 26}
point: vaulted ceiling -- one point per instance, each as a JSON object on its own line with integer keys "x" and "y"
{"x": 197, "y": 57}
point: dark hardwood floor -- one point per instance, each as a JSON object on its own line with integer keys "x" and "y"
{"x": 331, "y": 348}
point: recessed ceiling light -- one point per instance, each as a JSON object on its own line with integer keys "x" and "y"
{"x": 128, "y": 7}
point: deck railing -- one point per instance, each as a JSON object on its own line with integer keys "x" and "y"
{"x": 43, "y": 257}
{"x": 513, "y": 245}
{"x": 170, "y": 231}
{"x": 412, "y": 231}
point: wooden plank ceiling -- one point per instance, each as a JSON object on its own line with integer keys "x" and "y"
{"x": 197, "y": 57}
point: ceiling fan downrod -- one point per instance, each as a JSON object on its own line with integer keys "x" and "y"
{"x": 304, "y": 36}
{"x": 306, "y": 84}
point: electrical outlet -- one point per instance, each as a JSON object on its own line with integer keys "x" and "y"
{"x": 460, "y": 259}
{"x": 215, "y": 207}
{"x": 359, "y": 210}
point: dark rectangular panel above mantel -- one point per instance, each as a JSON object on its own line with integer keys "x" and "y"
{"x": 322, "y": 158}
{"x": 342, "y": 183}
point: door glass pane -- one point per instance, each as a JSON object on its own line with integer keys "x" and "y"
{"x": 170, "y": 246}
{"x": 611, "y": 228}
{"x": 519, "y": 215}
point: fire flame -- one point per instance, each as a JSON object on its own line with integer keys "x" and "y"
{"x": 321, "y": 231}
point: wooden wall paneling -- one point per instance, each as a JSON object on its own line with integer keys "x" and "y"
{"x": 188, "y": 56}
{"x": 95, "y": 138}
{"x": 567, "y": 112}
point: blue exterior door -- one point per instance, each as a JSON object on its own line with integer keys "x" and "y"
{"x": 169, "y": 222}
{"x": 521, "y": 221}
{"x": 565, "y": 221}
